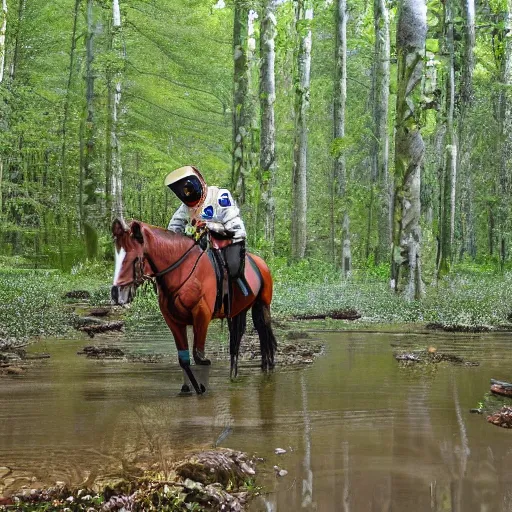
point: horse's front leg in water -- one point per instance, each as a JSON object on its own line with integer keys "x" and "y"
{"x": 180, "y": 338}
{"x": 201, "y": 316}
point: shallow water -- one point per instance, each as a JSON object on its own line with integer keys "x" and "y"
{"x": 361, "y": 433}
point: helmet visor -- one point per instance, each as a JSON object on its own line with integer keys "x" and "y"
{"x": 189, "y": 190}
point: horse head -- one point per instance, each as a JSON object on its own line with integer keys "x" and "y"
{"x": 131, "y": 266}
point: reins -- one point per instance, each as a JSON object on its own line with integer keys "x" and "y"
{"x": 172, "y": 267}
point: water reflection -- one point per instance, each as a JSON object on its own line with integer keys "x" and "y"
{"x": 361, "y": 434}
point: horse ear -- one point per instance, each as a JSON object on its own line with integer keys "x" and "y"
{"x": 118, "y": 227}
{"x": 137, "y": 232}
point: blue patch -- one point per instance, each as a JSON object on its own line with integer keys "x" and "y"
{"x": 207, "y": 213}
{"x": 224, "y": 200}
{"x": 184, "y": 355}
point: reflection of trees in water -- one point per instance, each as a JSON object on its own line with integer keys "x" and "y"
{"x": 307, "y": 482}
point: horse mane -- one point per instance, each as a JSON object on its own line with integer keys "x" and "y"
{"x": 164, "y": 240}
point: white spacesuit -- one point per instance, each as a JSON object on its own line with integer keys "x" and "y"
{"x": 215, "y": 209}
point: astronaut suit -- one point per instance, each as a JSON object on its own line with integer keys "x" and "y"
{"x": 215, "y": 209}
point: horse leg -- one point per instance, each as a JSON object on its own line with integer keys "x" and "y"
{"x": 180, "y": 338}
{"x": 201, "y": 316}
{"x": 236, "y": 326}
{"x": 262, "y": 323}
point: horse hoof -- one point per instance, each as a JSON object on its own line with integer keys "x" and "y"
{"x": 200, "y": 359}
{"x": 185, "y": 389}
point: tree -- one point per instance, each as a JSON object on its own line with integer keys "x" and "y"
{"x": 449, "y": 176}
{"x": 339, "y": 181}
{"x": 409, "y": 150}
{"x": 303, "y": 17}
{"x": 267, "y": 123}
{"x": 88, "y": 204}
{"x": 240, "y": 90}
{"x": 380, "y": 149}
{"x": 117, "y": 169}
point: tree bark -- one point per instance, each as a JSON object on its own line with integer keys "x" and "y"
{"x": 267, "y": 126}
{"x": 89, "y": 220}
{"x": 380, "y": 156}
{"x": 303, "y": 17}
{"x": 117, "y": 168}
{"x": 409, "y": 150}
{"x": 240, "y": 88}
{"x": 3, "y": 29}
{"x": 449, "y": 179}
{"x": 339, "y": 179}
{"x": 63, "y": 163}
{"x": 506, "y": 124}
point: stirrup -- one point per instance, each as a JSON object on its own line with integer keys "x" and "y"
{"x": 244, "y": 286}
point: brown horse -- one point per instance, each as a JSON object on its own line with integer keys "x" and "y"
{"x": 187, "y": 290}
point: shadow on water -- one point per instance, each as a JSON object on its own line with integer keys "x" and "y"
{"x": 360, "y": 432}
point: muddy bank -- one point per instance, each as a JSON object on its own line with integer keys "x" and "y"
{"x": 212, "y": 480}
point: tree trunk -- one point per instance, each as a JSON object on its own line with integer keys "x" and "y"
{"x": 380, "y": 154}
{"x": 116, "y": 167}
{"x": 339, "y": 179}
{"x": 240, "y": 88}
{"x": 409, "y": 150}
{"x": 3, "y": 30}
{"x": 63, "y": 163}
{"x": 506, "y": 165}
{"x": 448, "y": 182}
{"x": 303, "y": 17}
{"x": 89, "y": 182}
{"x": 267, "y": 126}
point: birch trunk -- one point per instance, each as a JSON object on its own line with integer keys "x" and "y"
{"x": 117, "y": 169}
{"x": 409, "y": 150}
{"x": 506, "y": 164}
{"x": 448, "y": 182}
{"x": 89, "y": 220}
{"x": 3, "y": 30}
{"x": 464, "y": 135}
{"x": 380, "y": 157}
{"x": 267, "y": 126}
{"x": 340, "y": 99}
{"x": 303, "y": 17}
{"x": 240, "y": 87}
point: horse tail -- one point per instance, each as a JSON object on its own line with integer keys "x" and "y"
{"x": 262, "y": 318}
{"x": 268, "y": 343}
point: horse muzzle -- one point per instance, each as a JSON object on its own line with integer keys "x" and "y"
{"x": 121, "y": 295}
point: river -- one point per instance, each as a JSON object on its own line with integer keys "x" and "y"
{"x": 360, "y": 432}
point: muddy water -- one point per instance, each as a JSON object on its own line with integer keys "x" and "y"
{"x": 361, "y": 433}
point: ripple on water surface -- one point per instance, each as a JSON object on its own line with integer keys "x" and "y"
{"x": 361, "y": 432}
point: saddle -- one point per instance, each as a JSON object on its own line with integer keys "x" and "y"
{"x": 221, "y": 273}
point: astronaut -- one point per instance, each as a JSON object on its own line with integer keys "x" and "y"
{"x": 212, "y": 208}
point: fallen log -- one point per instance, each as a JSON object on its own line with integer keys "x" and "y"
{"x": 91, "y": 330}
{"x": 344, "y": 314}
{"x": 499, "y": 387}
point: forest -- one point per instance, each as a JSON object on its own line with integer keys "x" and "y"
{"x": 358, "y": 135}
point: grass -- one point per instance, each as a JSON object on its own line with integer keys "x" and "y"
{"x": 33, "y": 304}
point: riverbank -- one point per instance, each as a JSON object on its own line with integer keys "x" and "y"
{"x": 37, "y": 303}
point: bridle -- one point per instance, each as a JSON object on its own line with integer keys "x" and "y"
{"x": 139, "y": 277}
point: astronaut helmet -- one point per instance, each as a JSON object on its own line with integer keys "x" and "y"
{"x": 188, "y": 184}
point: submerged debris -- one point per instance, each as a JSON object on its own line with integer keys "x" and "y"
{"x": 91, "y": 330}
{"x": 502, "y": 418}
{"x": 437, "y": 326}
{"x": 345, "y": 314}
{"x": 95, "y": 352}
{"x": 431, "y": 355}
